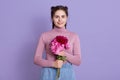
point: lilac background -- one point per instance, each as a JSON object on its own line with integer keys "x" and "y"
{"x": 96, "y": 21}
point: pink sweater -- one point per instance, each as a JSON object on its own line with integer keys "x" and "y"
{"x": 73, "y": 54}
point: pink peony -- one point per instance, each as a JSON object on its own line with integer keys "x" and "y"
{"x": 58, "y": 44}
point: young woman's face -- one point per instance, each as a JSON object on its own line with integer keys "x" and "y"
{"x": 60, "y": 18}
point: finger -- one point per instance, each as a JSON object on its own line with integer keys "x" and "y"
{"x": 59, "y": 61}
{"x": 62, "y": 53}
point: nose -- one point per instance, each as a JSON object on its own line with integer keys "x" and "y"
{"x": 59, "y": 19}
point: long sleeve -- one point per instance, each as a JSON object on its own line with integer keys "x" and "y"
{"x": 73, "y": 54}
{"x": 38, "y": 55}
{"x": 76, "y": 57}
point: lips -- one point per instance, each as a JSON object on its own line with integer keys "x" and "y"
{"x": 60, "y": 23}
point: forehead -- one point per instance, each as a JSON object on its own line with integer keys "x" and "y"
{"x": 60, "y": 12}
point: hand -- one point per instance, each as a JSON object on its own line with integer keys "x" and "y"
{"x": 58, "y": 63}
{"x": 62, "y": 53}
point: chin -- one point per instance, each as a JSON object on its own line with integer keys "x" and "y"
{"x": 60, "y": 26}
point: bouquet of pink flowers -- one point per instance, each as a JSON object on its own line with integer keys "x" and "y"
{"x": 58, "y": 44}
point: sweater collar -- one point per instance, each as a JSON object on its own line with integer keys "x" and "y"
{"x": 62, "y": 29}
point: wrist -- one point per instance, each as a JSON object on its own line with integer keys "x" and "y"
{"x": 65, "y": 53}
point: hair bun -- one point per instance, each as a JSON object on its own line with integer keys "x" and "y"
{"x": 52, "y": 7}
{"x": 66, "y": 7}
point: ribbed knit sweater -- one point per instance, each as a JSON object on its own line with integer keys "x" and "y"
{"x": 73, "y": 54}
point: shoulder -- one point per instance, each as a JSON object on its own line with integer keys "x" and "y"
{"x": 45, "y": 36}
{"x": 73, "y": 34}
{"x": 46, "y": 33}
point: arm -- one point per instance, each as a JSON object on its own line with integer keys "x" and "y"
{"x": 76, "y": 57}
{"x": 38, "y": 55}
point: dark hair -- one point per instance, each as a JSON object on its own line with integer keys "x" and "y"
{"x": 58, "y": 7}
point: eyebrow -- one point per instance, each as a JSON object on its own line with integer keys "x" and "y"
{"x": 60, "y": 15}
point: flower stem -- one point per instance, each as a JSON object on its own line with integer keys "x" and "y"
{"x": 58, "y": 73}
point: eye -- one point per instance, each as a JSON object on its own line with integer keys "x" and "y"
{"x": 63, "y": 16}
{"x": 56, "y": 16}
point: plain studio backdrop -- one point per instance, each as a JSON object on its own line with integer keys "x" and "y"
{"x": 97, "y": 22}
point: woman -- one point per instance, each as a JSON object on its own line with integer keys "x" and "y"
{"x": 59, "y": 16}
